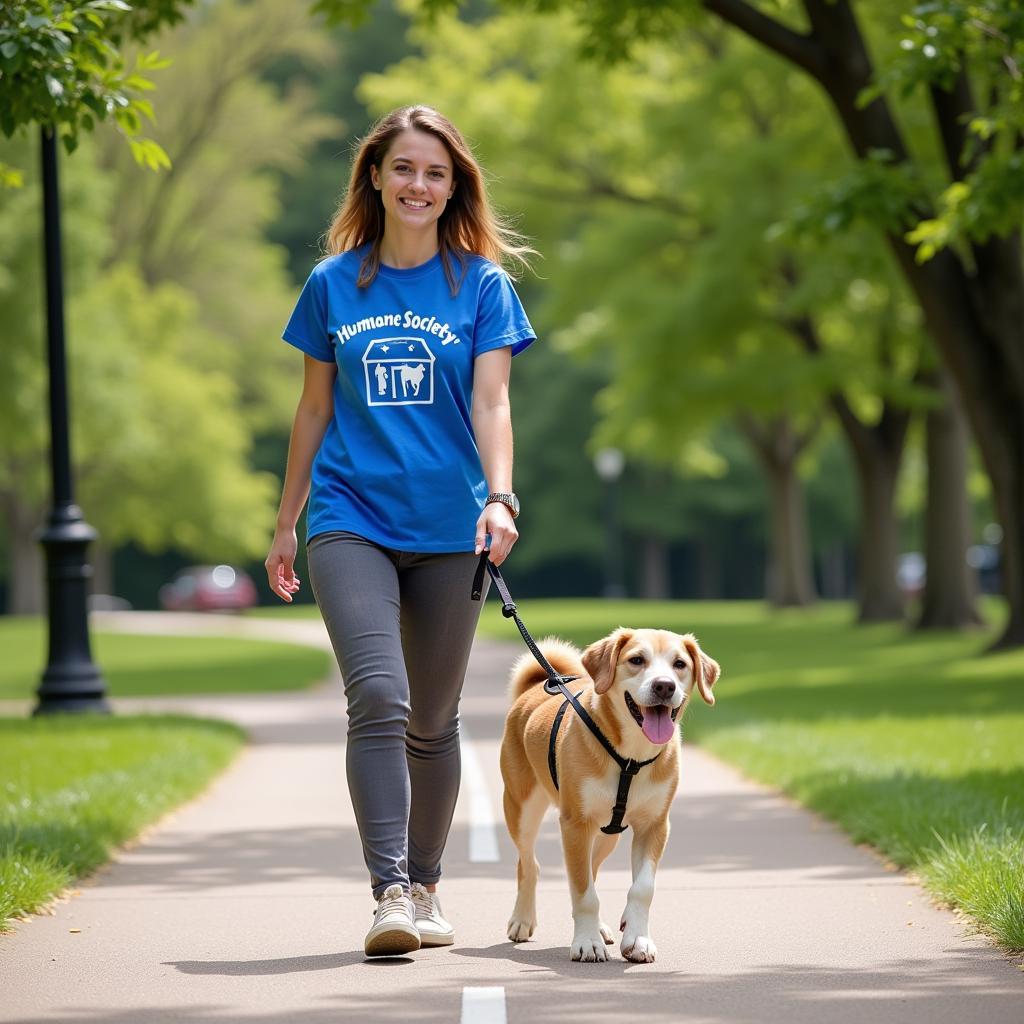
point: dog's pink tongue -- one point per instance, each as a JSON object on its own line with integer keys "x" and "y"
{"x": 658, "y": 726}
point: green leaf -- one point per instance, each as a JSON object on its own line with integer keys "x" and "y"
{"x": 9, "y": 49}
{"x": 128, "y": 121}
{"x": 10, "y": 177}
{"x": 95, "y": 104}
{"x": 139, "y": 83}
{"x": 54, "y": 87}
{"x": 151, "y": 61}
{"x": 149, "y": 153}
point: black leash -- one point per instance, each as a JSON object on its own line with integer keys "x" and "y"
{"x": 557, "y": 683}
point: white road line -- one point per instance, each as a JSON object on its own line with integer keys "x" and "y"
{"x": 483, "y": 1005}
{"x": 483, "y": 836}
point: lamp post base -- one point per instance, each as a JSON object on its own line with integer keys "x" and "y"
{"x": 71, "y": 682}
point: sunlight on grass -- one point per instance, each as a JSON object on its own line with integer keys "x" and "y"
{"x": 75, "y": 787}
{"x": 164, "y": 665}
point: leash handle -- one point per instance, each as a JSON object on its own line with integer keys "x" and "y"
{"x": 508, "y": 606}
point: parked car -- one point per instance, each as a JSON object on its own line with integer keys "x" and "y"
{"x": 208, "y": 588}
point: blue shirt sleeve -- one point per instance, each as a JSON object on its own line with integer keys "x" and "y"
{"x": 501, "y": 320}
{"x": 307, "y": 327}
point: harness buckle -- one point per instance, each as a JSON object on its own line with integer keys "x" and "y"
{"x": 551, "y": 684}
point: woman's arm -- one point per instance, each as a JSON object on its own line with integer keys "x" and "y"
{"x": 314, "y": 412}
{"x": 492, "y": 425}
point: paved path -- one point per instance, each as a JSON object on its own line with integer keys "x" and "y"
{"x": 250, "y": 903}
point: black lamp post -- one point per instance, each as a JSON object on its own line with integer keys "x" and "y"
{"x": 70, "y": 682}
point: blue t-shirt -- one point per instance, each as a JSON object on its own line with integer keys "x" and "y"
{"x": 399, "y": 463}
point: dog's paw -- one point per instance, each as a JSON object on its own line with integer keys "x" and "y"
{"x": 606, "y": 934}
{"x": 588, "y": 948}
{"x": 520, "y": 930}
{"x": 639, "y": 948}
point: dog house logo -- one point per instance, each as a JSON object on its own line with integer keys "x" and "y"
{"x": 399, "y": 371}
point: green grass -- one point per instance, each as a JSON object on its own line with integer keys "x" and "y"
{"x": 163, "y": 665}
{"x": 72, "y": 788}
{"x": 910, "y": 742}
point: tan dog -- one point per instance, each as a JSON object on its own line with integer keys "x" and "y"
{"x": 635, "y": 683}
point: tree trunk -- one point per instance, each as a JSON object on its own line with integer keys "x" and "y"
{"x": 790, "y": 576}
{"x": 877, "y": 452}
{"x": 790, "y": 581}
{"x": 995, "y": 407}
{"x": 26, "y": 582}
{"x": 974, "y": 314}
{"x": 654, "y": 583}
{"x": 878, "y": 590}
{"x": 950, "y": 594}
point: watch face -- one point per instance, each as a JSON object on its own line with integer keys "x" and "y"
{"x": 515, "y": 504}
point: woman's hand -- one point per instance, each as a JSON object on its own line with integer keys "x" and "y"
{"x": 280, "y": 565}
{"x": 496, "y": 520}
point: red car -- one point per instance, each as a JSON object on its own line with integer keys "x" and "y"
{"x": 208, "y": 588}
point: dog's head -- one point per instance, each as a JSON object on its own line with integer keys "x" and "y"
{"x": 656, "y": 670}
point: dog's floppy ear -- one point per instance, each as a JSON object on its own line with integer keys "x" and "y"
{"x": 705, "y": 669}
{"x": 601, "y": 658}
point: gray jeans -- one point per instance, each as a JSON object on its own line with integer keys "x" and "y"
{"x": 401, "y": 625}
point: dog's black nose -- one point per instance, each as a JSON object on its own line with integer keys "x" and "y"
{"x": 663, "y": 688}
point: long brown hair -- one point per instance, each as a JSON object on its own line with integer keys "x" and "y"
{"x": 468, "y": 224}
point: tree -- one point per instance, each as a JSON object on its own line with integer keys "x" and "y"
{"x": 202, "y": 223}
{"x": 162, "y": 443}
{"x": 61, "y": 65}
{"x": 957, "y": 241}
{"x": 950, "y": 594}
{"x": 172, "y": 289}
{"x": 959, "y": 244}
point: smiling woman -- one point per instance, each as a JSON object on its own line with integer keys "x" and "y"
{"x": 403, "y": 444}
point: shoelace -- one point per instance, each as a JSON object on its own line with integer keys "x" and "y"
{"x": 424, "y": 901}
{"x": 389, "y": 903}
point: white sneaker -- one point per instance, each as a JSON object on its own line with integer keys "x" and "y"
{"x": 433, "y": 928}
{"x": 394, "y": 925}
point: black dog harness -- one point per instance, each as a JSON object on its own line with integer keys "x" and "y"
{"x": 555, "y": 684}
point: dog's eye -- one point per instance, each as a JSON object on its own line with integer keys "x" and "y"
{"x": 680, "y": 664}
{"x": 637, "y": 659}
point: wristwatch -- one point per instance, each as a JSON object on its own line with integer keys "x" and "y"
{"x": 510, "y": 501}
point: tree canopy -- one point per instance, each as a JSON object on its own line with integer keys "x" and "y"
{"x": 63, "y": 64}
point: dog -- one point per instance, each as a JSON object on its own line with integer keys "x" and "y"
{"x": 635, "y": 683}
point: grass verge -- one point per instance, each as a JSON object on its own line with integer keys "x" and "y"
{"x": 164, "y": 665}
{"x": 74, "y": 787}
{"x": 910, "y": 742}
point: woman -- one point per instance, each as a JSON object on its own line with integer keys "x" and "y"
{"x": 403, "y": 443}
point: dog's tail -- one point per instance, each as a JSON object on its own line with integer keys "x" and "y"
{"x": 527, "y": 672}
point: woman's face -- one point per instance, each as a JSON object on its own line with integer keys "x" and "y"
{"x": 415, "y": 180}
